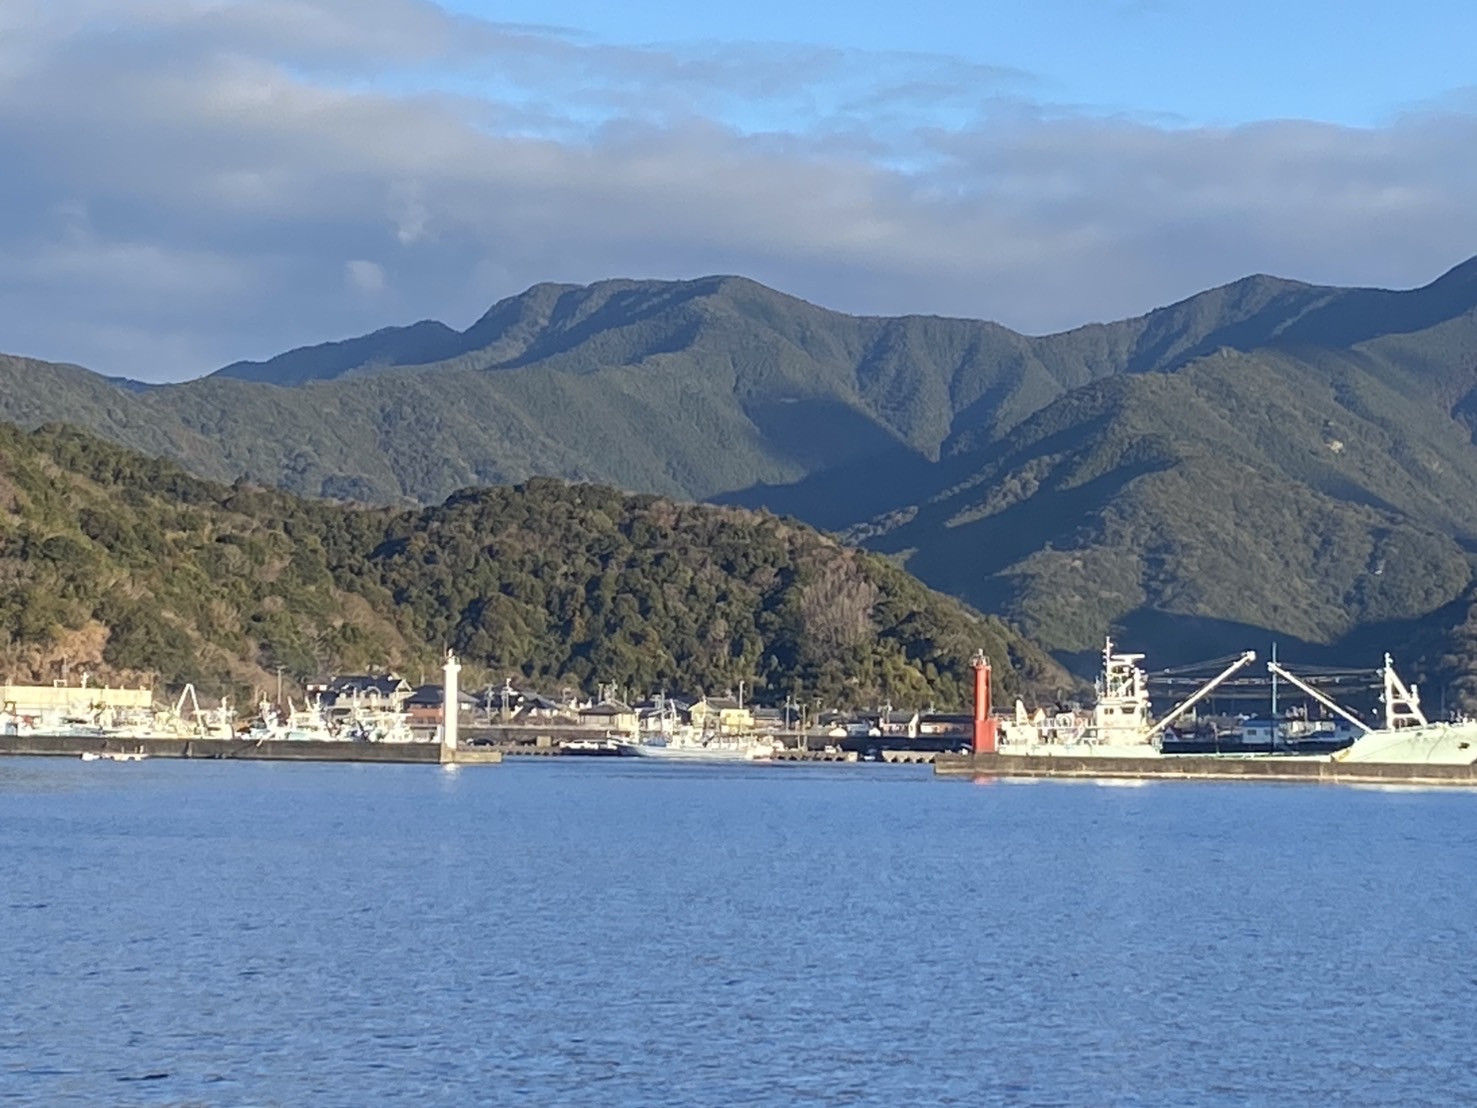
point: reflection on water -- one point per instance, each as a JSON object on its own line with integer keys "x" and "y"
{"x": 623, "y": 932}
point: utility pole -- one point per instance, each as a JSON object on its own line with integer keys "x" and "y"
{"x": 279, "y": 686}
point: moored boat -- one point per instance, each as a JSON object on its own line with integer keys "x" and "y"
{"x": 1408, "y": 737}
{"x": 689, "y": 746}
{"x": 1120, "y": 724}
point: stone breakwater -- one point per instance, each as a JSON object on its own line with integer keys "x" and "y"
{"x": 1208, "y": 768}
{"x": 295, "y": 750}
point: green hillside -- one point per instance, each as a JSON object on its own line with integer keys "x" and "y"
{"x": 1243, "y": 499}
{"x": 127, "y": 568}
{"x": 1266, "y": 459}
{"x": 701, "y": 389}
{"x": 715, "y": 388}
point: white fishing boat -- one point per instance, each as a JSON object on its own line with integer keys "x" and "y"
{"x": 1408, "y": 737}
{"x": 687, "y": 745}
{"x": 308, "y": 724}
{"x": 315, "y": 722}
{"x": 1120, "y": 724}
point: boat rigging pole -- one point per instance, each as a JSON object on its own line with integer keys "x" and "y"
{"x": 1327, "y": 701}
{"x": 1204, "y": 690}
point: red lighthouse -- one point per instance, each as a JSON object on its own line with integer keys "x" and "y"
{"x": 984, "y": 722}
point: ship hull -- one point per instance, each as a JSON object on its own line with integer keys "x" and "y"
{"x": 1434, "y": 744}
{"x": 695, "y": 752}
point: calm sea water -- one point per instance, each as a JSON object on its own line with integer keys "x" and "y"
{"x": 611, "y": 933}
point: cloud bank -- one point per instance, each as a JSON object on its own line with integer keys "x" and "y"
{"x": 188, "y": 182}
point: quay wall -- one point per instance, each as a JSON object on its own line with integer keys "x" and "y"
{"x": 1193, "y": 767}
{"x": 245, "y": 749}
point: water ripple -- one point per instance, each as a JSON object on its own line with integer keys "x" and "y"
{"x": 582, "y": 933}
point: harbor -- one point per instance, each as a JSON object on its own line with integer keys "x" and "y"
{"x": 1118, "y": 737}
{"x": 214, "y": 738}
{"x": 1120, "y": 740}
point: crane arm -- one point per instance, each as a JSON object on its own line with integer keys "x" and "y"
{"x": 1204, "y": 690}
{"x": 1322, "y": 698}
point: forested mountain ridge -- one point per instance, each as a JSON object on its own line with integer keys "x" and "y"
{"x": 701, "y": 388}
{"x": 1247, "y": 498}
{"x": 1216, "y": 473}
{"x": 126, "y": 567}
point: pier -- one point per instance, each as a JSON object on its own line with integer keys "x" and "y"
{"x": 270, "y": 750}
{"x": 1191, "y": 767}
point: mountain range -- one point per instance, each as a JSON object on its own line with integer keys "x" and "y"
{"x": 1268, "y": 460}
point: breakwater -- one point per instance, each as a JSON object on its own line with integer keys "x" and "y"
{"x": 1195, "y": 767}
{"x": 282, "y": 750}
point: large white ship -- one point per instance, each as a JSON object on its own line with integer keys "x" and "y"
{"x": 1120, "y": 724}
{"x": 1408, "y": 737}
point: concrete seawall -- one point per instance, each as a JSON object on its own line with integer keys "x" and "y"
{"x": 1203, "y": 768}
{"x": 74, "y": 746}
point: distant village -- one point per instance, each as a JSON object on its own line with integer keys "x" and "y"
{"x": 509, "y": 705}
{"x": 386, "y": 707}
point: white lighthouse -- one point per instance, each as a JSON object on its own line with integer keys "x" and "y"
{"x": 450, "y": 707}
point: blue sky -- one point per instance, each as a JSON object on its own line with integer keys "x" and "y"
{"x": 192, "y": 182}
{"x": 1200, "y": 61}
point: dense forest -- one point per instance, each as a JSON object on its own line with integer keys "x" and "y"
{"x": 129, "y": 569}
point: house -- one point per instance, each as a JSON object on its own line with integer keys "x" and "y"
{"x": 510, "y": 705}
{"x": 611, "y": 715}
{"x": 424, "y": 706}
{"x": 534, "y": 708}
{"x": 60, "y": 701}
{"x": 375, "y": 692}
{"x": 663, "y": 714}
{"x": 722, "y": 714}
{"x": 768, "y": 719}
{"x": 899, "y": 724}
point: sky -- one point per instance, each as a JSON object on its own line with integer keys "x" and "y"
{"x": 185, "y": 183}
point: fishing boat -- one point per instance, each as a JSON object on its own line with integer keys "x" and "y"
{"x": 317, "y": 722}
{"x": 1408, "y": 737}
{"x": 307, "y": 724}
{"x": 688, "y": 745}
{"x": 590, "y": 747}
{"x": 1120, "y": 724}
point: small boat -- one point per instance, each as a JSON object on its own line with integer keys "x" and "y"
{"x": 590, "y": 747}
{"x": 689, "y": 746}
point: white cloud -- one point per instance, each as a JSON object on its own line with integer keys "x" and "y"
{"x": 198, "y": 181}
{"x": 408, "y": 213}
{"x": 364, "y": 276}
